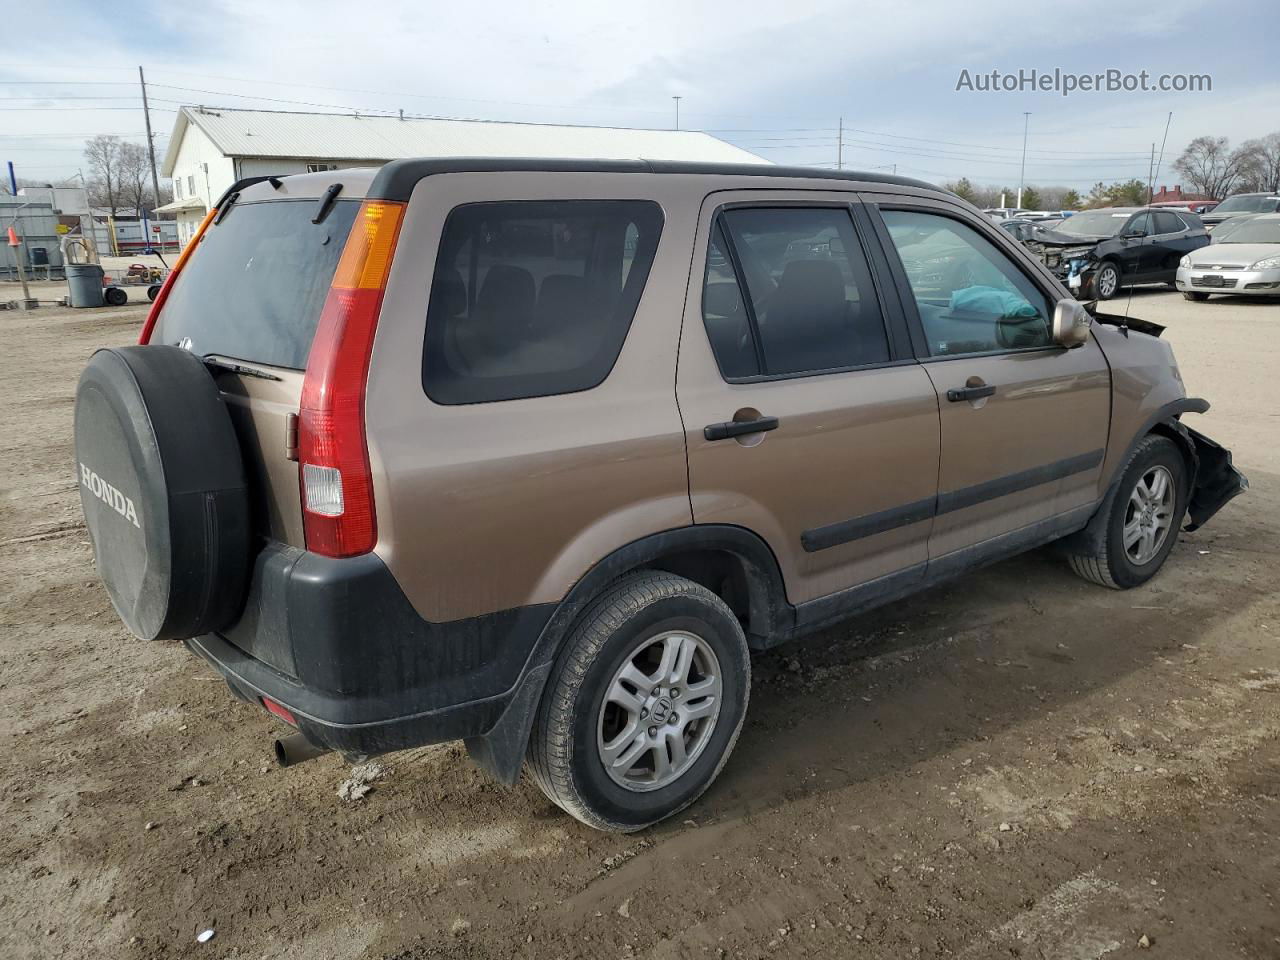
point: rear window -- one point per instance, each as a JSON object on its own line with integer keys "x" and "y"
{"x": 254, "y": 289}
{"x": 532, "y": 298}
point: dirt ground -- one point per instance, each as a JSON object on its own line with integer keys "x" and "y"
{"x": 1018, "y": 764}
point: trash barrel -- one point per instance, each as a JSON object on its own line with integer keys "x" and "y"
{"x": 84, "y": 281}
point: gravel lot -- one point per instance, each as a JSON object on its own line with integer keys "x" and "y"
{"x": 1015, "y": 765}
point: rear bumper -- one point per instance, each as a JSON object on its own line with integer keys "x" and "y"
{"x": 338, "y": 644}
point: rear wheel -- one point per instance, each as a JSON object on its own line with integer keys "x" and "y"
{"x": 644, "y": 705}
{"x": 1143, "y": 518}
{"x": 115, "y": 297}
{"x": 1195, "y": 295}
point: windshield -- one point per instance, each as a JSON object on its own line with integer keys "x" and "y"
{"x": 1253, "y": 204}
{"x": 1094, "y": 223}
{"x": 254, "y": 289}
{"x": 1254, "y": 231}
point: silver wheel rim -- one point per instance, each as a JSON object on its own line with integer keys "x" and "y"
{"x": 1107, "y": 281}
{"x": 659, "y": 711}
{"x": 1148, "y": 516}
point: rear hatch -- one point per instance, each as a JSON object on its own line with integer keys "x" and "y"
{"x": 248, "y": 301}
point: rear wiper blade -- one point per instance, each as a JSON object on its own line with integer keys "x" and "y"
{"x": 212, "y": 361}
{"x": 327, "y": 202}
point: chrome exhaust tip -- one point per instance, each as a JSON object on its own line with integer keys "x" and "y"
{"x": 295, "y": 749}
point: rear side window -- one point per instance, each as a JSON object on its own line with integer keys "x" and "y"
{"x": 1168, "y": 223}
{"x": 534, "y": 298}
{"x": 788, "y": 291}
{"x": 254, "y": 288}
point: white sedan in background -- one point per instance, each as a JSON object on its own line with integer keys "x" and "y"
{"x": 1245, "y": 261}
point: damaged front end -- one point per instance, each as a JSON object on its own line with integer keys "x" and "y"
{"x": 1215, "y": 480}
{"x": 1073, "y": 264}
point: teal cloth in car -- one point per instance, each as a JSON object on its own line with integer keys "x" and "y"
{"x": 991, "y": 301}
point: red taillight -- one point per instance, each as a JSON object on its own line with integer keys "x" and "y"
{"x": 279, "y": 711}
{"x": 163, "y": 295}
{"x": 337, "y": 487}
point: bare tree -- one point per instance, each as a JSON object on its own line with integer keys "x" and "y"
{"x": 1211, "y": 167}
{"x": 134, "y": 173}
{"x": 102, "y": 154}
{"x": 1263, "y": 167}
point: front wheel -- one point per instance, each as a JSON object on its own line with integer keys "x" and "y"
{"x": 1142, "y": 520}
{"x": 1106, "y": 281}
{"x": 644, "y": 704}
{"x": 1195, "y": 295}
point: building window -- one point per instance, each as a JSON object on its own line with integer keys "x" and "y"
{"x": 177, "y": 188}
{"x": 317, "y": 167}
{"x": 191, "y": 185}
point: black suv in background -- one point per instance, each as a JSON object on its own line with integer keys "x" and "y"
{"x": 1098, "y": 252}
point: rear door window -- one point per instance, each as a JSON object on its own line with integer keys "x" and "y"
{"x": 1168, "y": 223}
{"x": 534, "y": 298}
{"x": 810, "y": 304}
{"x": 254, "y": 288}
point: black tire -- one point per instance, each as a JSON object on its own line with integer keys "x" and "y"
{"x": 564, "y": 758}
{"x": 1110, "y": 565}
{"x": 1101, "y": 290}
{"x": 153, "y": 291}
{"x": 115, "y": 297}
{"x": 1195, "y": 295}
{"x": 163, "y": 490}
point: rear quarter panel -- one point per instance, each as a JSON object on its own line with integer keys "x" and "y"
{"x": 489, "y": 506}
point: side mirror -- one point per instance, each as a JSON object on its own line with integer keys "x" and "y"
{"x": 1071, "y": 323}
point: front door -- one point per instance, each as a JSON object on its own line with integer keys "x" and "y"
{"x": 807, "y": 419}
{"x": 1024, "y": 422}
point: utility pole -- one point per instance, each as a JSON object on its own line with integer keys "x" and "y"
{"x": 151, "y": 146}
{"x": 1022, "y": 177}
{"x": 677, "y": 100}
{"x": 840, "y": 146}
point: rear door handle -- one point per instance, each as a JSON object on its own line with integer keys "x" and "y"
{"x": 738, "y": 428}
{"x": 956, "y": 394}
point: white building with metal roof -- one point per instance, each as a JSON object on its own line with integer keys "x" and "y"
{"x": 211, "y": 148}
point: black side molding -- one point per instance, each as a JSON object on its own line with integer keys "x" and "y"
{"x": 845, "y": 531}
{"x": 834, "y": 534}
{"x": 1016, "y": 482}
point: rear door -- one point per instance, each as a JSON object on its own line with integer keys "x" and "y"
{"x": 807, "y": 419}
{"x": 1172, "y": 241}
{"x": 1024, "y": 422}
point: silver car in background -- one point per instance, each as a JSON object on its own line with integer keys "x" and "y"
{"x": 1244, "y": 261}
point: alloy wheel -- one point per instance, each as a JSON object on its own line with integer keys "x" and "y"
{"x": 1149, "y": 515}
{"x": 659, "y": 711}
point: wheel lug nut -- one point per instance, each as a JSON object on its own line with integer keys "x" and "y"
{"x": 653, "y": 732}
{"x": 675, "y": 694}
{"x": 643, "y": 714}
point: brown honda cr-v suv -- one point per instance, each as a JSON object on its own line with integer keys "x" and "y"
{"x": 532, "y": 454}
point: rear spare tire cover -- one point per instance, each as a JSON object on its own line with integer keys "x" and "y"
{"x": 162, "y": 485}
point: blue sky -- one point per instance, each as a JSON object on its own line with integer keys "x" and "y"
{"x": 774, "y": 80}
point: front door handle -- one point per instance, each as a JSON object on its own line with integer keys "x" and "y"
{"x": 956, "y": 394}
{"x": 739, "y": 428}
